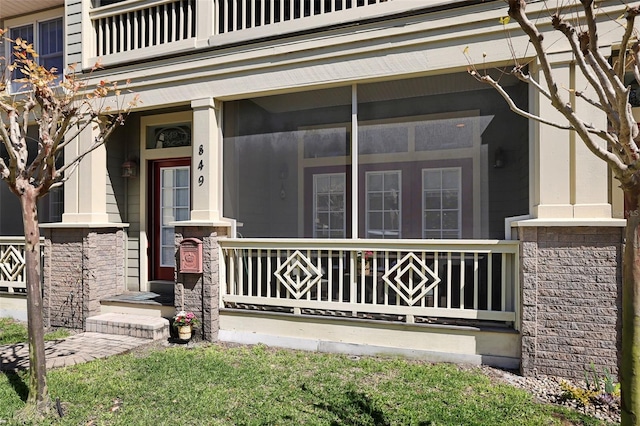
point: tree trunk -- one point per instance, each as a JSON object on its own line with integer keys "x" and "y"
{"x": 38, "y": 400}
{"x": 630, "y": 365}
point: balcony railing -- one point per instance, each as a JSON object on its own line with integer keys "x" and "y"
{"x": 13, "y": 274}
{"x": 143, "y": 25}
{"x": 235, "y": 15}
{"x": 138, "y": 29}
{"x": 409, "y": 281}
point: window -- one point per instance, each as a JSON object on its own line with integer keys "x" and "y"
{"x": 171, "y": 136}
{"x": 174, "y": 204}
{"x": 48, "y": 40}
{"x": 26, "y": 33}
{"x": 329, "y": 205}
{"x": 441, "y": 201}
{"x": 56, "y": 204}
{"x": 413, "y": 164}
{"x": 383, "y": 204}
{"x": 50, "y": 45}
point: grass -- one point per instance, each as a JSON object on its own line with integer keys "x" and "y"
{"x": 220, "y": 385}
{"x": 12, "y": 331}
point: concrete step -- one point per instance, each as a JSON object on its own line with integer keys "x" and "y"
{"x": 146, "y": 327}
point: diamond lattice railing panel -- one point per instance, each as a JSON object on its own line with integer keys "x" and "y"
{"x": 11, "y": 263}
{"x": 422, "y": 281}
{"x": 298, "y": 274}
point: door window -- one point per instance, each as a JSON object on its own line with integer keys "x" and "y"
{"x": 174, "y": 205}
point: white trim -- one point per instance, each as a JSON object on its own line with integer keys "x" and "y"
{"x": 167, "y": 225}
{"x": 344, "y": 203}
{"x": 145, "y": 156}
{"x": 570, "y": 222}
{"x": 35, "y": 20}
{"x": 65, "y": 225}
{"x": 355, "y": 161}
{"x": 46, "y": 15}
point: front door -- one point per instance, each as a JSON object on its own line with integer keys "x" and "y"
{"x": 170, "y": 201}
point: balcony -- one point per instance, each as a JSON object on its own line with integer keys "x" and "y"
{"x": 135, "y": 30}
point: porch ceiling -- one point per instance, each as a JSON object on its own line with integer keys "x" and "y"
{"x": 11, "y": 8}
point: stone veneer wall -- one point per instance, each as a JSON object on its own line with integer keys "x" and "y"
{"x": 571, "y": 281}
{"x": 81, "y": 267}
{"x": 200, "y": 293}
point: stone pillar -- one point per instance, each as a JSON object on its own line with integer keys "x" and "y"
{"x": 571, "y": 278}
{"x": 82, "y": 265}
{"x": 200, "y": 293}
{"x": 529, "y": 292}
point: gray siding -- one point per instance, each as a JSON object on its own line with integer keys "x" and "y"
{"x": 73, "y": 29}
{"x": 132, "y": 151}
{"x": 123, "y": 195}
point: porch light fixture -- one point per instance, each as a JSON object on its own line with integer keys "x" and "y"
{"x": 129, "y": 169}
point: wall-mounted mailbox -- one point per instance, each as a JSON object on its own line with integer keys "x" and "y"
{"x": 190, "y": 256}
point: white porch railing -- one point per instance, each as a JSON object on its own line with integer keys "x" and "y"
{"x": 13, "y": 275}
{"x": 132, "y": 30}
{"x": 138, "y": 25}
{"x": 235, "y": 15}
{"x": 414, "y": 281}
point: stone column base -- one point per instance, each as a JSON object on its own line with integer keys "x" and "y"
{"x": 82, "y": 265}
{"x": 199, "y": 293}
{"x": 571, "y": 278}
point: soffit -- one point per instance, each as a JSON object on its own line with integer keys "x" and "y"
{"x": 376, "y": 92}
{"x": 11, "y": 8}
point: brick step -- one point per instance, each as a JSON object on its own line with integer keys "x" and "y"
{"x": 147, "y": 327}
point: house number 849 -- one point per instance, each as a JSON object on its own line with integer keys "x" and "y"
{"x": 200, "y": 165}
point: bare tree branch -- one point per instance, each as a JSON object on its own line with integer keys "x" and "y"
{"x": 570, "y": 33}
{"x": 512, "y": 105}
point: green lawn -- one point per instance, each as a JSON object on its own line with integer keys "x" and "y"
{"x": 12, "y": 331}
{"x": 220, "y": 385}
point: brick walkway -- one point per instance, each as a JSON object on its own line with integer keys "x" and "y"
{"x": 71, "y": 350}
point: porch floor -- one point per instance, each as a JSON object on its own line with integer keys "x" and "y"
{"x": 143, "y": 297}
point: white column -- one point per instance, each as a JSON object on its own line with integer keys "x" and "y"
{"x": 205, "y": 19}
{"x": 206, "y": 162}
{"x": 551, "y": 157}
{"x": 590, "y": 179}
{"x": 85, "y": 194}
{"x": 87, "y": 36}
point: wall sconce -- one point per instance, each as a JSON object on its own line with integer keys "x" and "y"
{"x": 498, "y": 158}
{"x": 129, "y": 169}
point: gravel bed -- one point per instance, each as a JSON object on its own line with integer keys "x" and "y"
{"x": 547, "y": 389}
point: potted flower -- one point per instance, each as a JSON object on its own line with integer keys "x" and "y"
{"x": 185, "y": 322}
{"x": 365, "y": 255}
